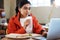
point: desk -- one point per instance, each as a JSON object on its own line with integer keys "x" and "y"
{"x": 2, "y": 30}
{"x": 42, "y": 38}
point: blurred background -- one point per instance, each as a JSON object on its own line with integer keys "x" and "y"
{"x": 40, "y": 8}
{"x": 44, "y": 10}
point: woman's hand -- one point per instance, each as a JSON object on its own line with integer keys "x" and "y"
{"x": 44, "y": 34}
{"x": 26, "y": 23}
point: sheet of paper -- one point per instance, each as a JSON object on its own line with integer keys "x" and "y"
{"x": 30, "y": 26}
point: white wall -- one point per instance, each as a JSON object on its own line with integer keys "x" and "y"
{"x": 42, "y": 13}
{"x": 9, "y": 7}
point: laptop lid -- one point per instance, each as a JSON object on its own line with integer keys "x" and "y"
{"x": 54, "y": 29}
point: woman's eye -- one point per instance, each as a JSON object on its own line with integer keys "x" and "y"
{"x": 26, "y": 8}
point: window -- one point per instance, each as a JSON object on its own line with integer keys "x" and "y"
{"x": 57, "y": 2}
{"x": 37, "y": 3}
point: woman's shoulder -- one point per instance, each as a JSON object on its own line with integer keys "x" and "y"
{"x": 12, "y": 18}
{"x": 33, "y": 16}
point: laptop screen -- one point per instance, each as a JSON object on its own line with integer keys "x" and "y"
{"x": 54, "y": 29}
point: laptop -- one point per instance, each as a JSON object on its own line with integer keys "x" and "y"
{"x": 54, "y": 29}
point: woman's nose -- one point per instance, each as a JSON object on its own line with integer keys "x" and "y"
{"x": 27, "y": 11}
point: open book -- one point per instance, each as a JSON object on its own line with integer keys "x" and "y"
{"x": 23, "y": 36}
{"x": 30, "y": 26}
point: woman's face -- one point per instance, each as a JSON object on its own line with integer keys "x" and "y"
{"x": 25, "y": 9}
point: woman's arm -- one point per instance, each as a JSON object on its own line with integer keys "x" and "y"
{"x": 12, "y": 28}
{"x": 37, "y": 28}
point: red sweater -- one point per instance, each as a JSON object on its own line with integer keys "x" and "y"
{"x": 14, "y": 25}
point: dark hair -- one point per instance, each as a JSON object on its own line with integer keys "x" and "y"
{"x": 21, "y": 3}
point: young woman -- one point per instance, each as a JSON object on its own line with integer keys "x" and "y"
{"x": 22, "y": 11}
